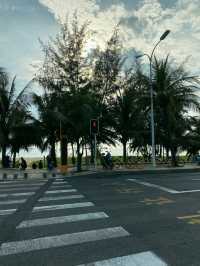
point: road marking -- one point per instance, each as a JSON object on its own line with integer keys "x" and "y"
{"x": 127, "y": 190}
{"x": 60, "y": 182}
{"x": 12, "y": 202}
{"x": 62, "y": 198}
{"x": 189, "y": 216}
{"x": 59, "y": 186}
{"x": 6, "y": 212}
{"x": 191, "y": 219}
{"x": 16, "y": 189}
{"x": 10, "y": 248}
{"x": 20, "y": 182}
{"x": 188, "y": 191}
{"x": 16, "y": 194}
{"x": 139, "y": 259}
{"x": 63, "y": 206}
{"x": 158, "y": 201}
{"x": 63, "y": 219}
{"x": 172, "y": 191}
{"x": 20, "y": 186}
{"x": 60, "y": 191}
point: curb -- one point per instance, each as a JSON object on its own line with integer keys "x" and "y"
{"x": 107, "y": 174}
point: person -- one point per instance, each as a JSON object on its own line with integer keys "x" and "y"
{"x": 40, "y": 165}
{"x": 106, "y": 160}
{"x": 23, "y": 164}
{"x": 7, "y": 162}
{"x": 34, "y": 166}
{"x": 49, "y": 163}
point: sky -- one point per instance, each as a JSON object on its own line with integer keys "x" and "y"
{"x": 142, "y": 22}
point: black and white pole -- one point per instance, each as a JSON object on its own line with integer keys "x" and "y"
{"x": 95, "y": 151}
{"x": 94, "y": 130}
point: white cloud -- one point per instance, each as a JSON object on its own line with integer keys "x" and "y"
{"x": 149, "y": 20}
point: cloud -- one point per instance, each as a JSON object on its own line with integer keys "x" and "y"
{"x": 142, "y": 26}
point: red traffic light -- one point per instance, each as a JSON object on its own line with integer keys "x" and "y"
{"x": 94, "y": 126}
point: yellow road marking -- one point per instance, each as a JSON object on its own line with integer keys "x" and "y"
{"x": 189, "y": 217}
{"x": 157, "y": 201}
{"x": 128, "y": 190}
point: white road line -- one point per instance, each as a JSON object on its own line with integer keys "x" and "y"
{"x": 63, "y": 219}
{"x": 62, "y": 198}
{"x": 20, "y": 182}
{"x": 59, "y": 186}
{"x": 188, "y": 191}
{"x": 63, "y": 206}
{"x": 172, "y": 191}
{"x": 60, "y": 191}
{"x": 147, "y": 258}
{"x": 195, "y": 179}
{"x": 6, "y": 212}
{"x": 60, "y": 182}
{"x": 16, "y": 189}
{"x": 12, "y": 202}
{"x": 16, "y": 194}
{"x": 21, "y": 186}
{"x": 10, "y": 248}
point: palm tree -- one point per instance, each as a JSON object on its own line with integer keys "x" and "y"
{"x": 129, "y": 108}
{"x": 174, "y": 96}
{"x": 47, "y": 122}
{"x": 14, "y": 113}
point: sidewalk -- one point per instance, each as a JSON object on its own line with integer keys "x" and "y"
{"x": 32, "y": 174}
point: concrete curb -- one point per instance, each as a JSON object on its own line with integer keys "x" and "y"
{"x": 111, "y": 173}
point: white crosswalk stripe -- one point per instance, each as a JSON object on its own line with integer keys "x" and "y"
{"x": 60, "y": 191}
{"x": 63, "y": 219}
{"x": 18, "y": 189}
{"x": 61, "y": 198}
{"x": 6, "y": 212}
{"x": 10, "y": 248}
{"x": 63, "y": 206}
{"x": 20, "y": 185}
{"x": 12, "y": 202}
{"x": 60, "y": 186}
{"x": 60, "y": 182}
{"x": 16, "y": 194}
{"x": 147, "y": 258}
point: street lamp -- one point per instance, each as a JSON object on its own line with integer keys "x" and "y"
{"x": 150, "y": 57}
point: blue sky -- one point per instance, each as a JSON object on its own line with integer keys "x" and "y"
{"x": 22, "y": 22}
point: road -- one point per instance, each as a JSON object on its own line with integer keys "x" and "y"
{"x": 125, "y": 220}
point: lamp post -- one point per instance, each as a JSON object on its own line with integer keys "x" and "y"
{"x": 150, "y": 57}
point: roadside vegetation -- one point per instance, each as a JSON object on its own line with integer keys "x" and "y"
{"x": 79, "y": 84}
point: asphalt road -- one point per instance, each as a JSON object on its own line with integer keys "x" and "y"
{"x": 149, "y": 220}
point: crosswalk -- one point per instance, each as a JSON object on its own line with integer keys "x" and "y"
{"x": 65, "y": 218}
{"x": 14, "y": 193}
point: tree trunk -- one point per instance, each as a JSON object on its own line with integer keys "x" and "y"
{"x": 167, "y": 153}
{"x": 124, "y": 152}
{"x": 79, "y": 157}
{"x": 3, "y": 155}
{"x": 64, "y": 151}
{"x": 14, "y": 159}
{"x": 173, "y": 154}
{"x": 53, "y": 153}
{"x": 73, "y": 155}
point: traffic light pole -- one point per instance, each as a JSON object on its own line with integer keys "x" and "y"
{"x": 95, "y": 151}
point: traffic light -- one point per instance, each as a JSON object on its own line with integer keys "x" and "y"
{"x": 94, "y": 126}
